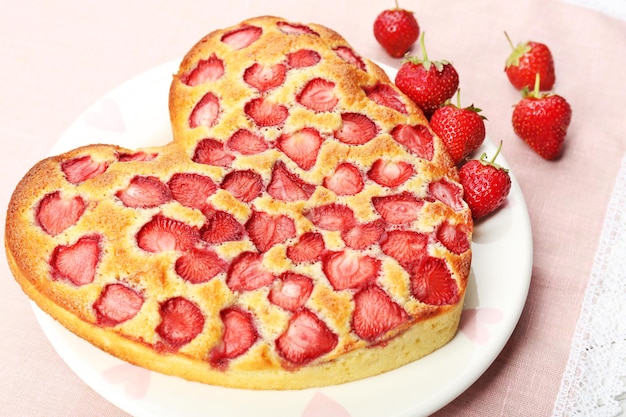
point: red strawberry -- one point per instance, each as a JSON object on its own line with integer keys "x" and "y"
{"x": 163, "y": 234}
{"x": 206, "y": 70}
{"x": 318, "y": 95}
{"x": 117, "y": 304}
{"x": 356, "y": 129}
{"x": 221, "y": 227}
{"x": 287, "y": 186}
{"x": 191, "y": 189}
{"x": 206, "y": 111}
{"x": 375, "y": 313}
{"x": 396, "y": 30}
{"x": 432, "y": 283}
{"x": 144, "y": 192}
{"x": 363, "y": 235}
{"x": 265, "y": 113}
{"x": 211, "y": 152}
{"x": 405, "y": 246}
{"x": 247, "y": 273}
{"x": 291, "y": 291}
{"x": 266, "y": 230}
{"x": 385, "y": 95}
{"x": 453, "y": 237}
{"x": 417, "y": 139}
{"x": 306, "y": 338}
{"x": 349, "y": 269}
{"x": 76, "y": 263}
{"x": 447, "y": 192}
{"x": 462, "y": 129}
{"x": 82, "y": 168}
{"x": 301, "y": 147}
{"x": 181, "y": 321}
{"x": 247, "y": 143}
{"x": 541, "y": 120}
{"x": 199, "y": 265}
{"x": 265, "y": 78}
{"x": 56, "y": 213}
{"x": 398, "y": 209}
{"x": 238, "y": 336}
{"x": 428, "y": 83}
{"x": 137, "y": 156}
{"x": 346, "y": 180}
{"x": 295, "y": 29}
{"x": 390, "y": 173}
{"x": 244, "y": 185}
{"x": 331, "y": 217}
{"x": 486, "y": 185}
{"x": 308, "y": 248}
{"x": 348, "y": 55}
{"x": 242, "y": 37}
{"x": 303, "y": 58}
{"x": 526, "y": 60}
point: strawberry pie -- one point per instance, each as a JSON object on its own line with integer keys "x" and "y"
{"x": 305, "y": 227}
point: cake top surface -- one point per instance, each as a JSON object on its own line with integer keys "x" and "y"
{"x": 304, "y": 210}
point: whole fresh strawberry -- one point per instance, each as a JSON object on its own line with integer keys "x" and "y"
{"x": 526, "y": 60}
{"x": 428, "y": 83}
{"x": 462, "y": 129}
{"x": 541, "y": 120}
{"x": 486, "y": 185}
{"x": 396, "y": 30}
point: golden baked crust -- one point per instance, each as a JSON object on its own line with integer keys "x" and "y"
{"x": 191, "y": 257}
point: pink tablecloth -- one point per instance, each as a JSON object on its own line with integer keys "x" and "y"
{"x": 59, "y": 57}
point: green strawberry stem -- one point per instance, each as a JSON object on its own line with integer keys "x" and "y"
{"x": 492, "y": 162}
{"x": 516, "y": 53}
{"x": 471, "y": 107}
{"x": 537, "y": 83}
{"x": 425, "y": 62}
{"x": 536, "y": 92}
{"x": 507, "y": 38}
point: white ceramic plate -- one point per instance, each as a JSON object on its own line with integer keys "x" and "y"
{"x": 135, "y": 115}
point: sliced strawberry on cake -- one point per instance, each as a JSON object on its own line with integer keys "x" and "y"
{"x": 302, "y": 228}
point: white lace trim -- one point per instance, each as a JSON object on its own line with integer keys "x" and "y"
{"x": 594, "y": 381}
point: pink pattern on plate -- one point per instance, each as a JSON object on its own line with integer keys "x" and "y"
{"x": 474, "y": 323}
{"x": 107, "y": 116}
{"x": 322, "y": 405}
{"x": 135, "y": 379}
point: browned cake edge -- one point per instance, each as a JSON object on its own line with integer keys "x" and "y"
{"x": 361, "y": 363}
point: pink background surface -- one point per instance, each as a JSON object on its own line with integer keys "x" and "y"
{"x": 59, "y": 57}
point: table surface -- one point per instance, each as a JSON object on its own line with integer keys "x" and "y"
{"x": 60, "y": 57}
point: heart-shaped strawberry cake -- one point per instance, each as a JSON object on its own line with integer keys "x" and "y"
{"x": 305, "y": 227}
